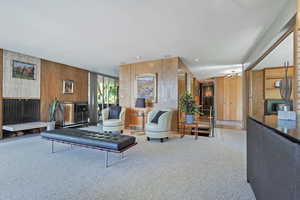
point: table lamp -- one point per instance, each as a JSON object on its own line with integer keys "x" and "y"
{"x": 140, "y": 103}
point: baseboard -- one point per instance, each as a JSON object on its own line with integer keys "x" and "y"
{"x": 230, "y": 123}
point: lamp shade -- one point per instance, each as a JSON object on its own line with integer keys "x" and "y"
{"x": 140, "y": 103}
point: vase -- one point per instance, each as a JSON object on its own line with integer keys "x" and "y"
{"x": 51, "y": 126}
{"x": 189, "y": 119}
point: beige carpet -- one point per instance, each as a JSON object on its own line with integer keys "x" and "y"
{"x": 206, "y": 169}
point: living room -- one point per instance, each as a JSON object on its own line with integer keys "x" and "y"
{"x": 149, "y": 100}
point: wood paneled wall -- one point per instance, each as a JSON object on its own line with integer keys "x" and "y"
{"x": 52, "y": 76}
{"x": 166, "y": 70}
{"x": 1, "y": 92}
{"x": 257, "y": 94}
{"x": 220, "y": 98}
{"x": 229, "y": 98}
{"x": 181, "y": 89}
{"x": 167, "y": 87}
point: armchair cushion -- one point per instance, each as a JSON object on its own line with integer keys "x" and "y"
{"x": 112, "y": 122}
{"x": 156, "y": 117}
{"x": 153, "y": 127}
{"x": 114, "y": 112}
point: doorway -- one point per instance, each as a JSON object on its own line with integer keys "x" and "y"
{"x": 206, "y": 93}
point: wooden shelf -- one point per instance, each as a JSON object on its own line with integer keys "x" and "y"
{"x": 273, "y": 78}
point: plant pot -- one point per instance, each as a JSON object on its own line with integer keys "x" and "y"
{"x": 189, "y": 119}
{"x": 51, "y": 126}
{"x": 286, "y": 108}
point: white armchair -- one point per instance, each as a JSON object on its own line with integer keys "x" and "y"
{"x": 113, "y": 125}
{"x": 160, "y": 130}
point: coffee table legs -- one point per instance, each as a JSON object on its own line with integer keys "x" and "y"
{"x": 183, "y": 132}
{"x": 106, "y": 164}
{"x": 52, "y": 147}
{"x": 106, "y": 161}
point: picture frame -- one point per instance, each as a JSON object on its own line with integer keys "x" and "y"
{"x": 68, "y": 86}
{"x": 146, "y": 87}
{"x": 23, "y": 70}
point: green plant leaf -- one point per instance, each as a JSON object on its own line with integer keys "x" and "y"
{"x": 187, "y": 104}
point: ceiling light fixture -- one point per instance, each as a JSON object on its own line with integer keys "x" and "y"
{"x": 167, "y": 56}
{"x": 233, "y": 73}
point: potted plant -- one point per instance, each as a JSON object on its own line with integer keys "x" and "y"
{"x": 286, "y": 86}
{"x": 188, "y": 105}
{"x": 54, "y": 106}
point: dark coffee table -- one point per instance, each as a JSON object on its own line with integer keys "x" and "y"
{"x": 106, "y": 142}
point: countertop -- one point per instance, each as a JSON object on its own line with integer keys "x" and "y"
{"x": 286, "y": 128}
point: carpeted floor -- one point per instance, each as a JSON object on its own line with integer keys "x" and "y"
{"x": 206, "y": 169}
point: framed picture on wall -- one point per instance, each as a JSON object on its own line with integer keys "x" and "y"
{"x": 23, "y": 70}
{"x": 68, "y": 86}
{"x": 146, "y": 87}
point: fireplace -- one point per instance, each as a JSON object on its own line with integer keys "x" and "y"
{"x": 74, "y": 114}
{"x": 17, "y": 111}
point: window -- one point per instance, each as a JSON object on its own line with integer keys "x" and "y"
{"x": 107, "y": 92}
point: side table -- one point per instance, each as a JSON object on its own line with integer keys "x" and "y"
{"x": 140, "y": 131}
{"x": 196, "y": 127}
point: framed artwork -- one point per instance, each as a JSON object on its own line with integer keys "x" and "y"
{"x": 68, "y": 87}
{"x": 23, "y": 70}
{"x": 146, "y": 87}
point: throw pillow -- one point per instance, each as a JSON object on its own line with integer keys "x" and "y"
{"x": 157, "y": 116}
{"x": 114, "y": 112}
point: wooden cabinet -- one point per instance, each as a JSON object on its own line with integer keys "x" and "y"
{"x": 256, "y": 96}
{"x": 229, "y": 98}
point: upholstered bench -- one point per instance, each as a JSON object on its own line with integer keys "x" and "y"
{"x": 101, "y": 141}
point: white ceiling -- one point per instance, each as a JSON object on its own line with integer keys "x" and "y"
{"x": 100, "y": 34}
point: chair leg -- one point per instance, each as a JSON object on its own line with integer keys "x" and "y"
{"x": 106, "y": 159}
{"x": 52, "y": 147}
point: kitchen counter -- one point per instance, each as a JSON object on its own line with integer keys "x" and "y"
{"x": 286, "y": 128}
{"x": 273, "y": 158}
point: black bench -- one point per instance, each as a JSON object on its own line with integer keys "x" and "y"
{"x": 101, "y": 141}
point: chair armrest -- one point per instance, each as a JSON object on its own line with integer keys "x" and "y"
{"x": 151, "y": 115}
{"x": 122, "y": 115}
{"x": 164, "y": 121}
{"x": 105, "y": 113}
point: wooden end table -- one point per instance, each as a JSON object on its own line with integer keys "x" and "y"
{"x": 142, "y": 130}
{"x": 196, "y": 127}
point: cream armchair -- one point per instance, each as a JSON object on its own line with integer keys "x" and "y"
{"x": 113, "y": 125}
{"x": 160, "y": 130}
